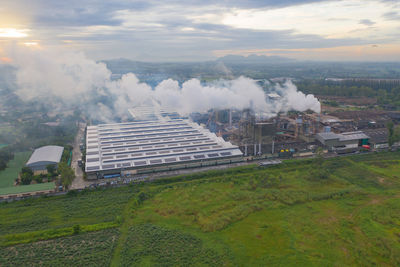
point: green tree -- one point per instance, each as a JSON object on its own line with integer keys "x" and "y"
{"x": 51, "y": 169}
{"x": 76, "y": 229}
{"x": 27, "y": 170}
{"x": 26, "y": 178}
{"x": 319, "y": 156}
{"x": 393, "y": 133}
{"x": 67, "y": 174}
{"x": 26, "y": 175}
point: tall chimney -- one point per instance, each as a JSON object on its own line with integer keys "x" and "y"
{"x": 230, "y": 118}
{"x": 273, "y": 146}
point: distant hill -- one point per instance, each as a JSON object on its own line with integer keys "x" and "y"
{"x": 261, "y": 59}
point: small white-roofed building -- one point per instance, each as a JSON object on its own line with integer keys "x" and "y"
{"x": 44, "y": 156}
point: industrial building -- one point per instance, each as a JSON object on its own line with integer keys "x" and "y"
{"x": 150, "y": 146}
{"x": 343, "y": 142}
{"x": 44, "y": 156}
{"x": 153, "y": 112}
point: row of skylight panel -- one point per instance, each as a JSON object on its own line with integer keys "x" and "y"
{"x": 120, "y": 135}
{"x": 182, "y": 137}
{"x": 148, "y": 129}
{"x": 149, "y": 139}
{"x": 134, "y": 123}
{"x": 146, "y": 136}
{"x": 188, "y": 145}
{"x": 108, "y": 127}
{"x": 161, "y": 153}
{"x": 159, "y": 147}
{"x": 155, "y": 126}
{"x": 139, "y": 163}
{"x": 128, "y": 133}
{"x": 164, "y": 139}
{"x": 158, "y": 143}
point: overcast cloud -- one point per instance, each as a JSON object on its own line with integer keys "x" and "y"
{"x": 203, "y": 30}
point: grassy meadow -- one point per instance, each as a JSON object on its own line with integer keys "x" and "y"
{"x": 334, "y": 212}
{"x": 8, "y": 176}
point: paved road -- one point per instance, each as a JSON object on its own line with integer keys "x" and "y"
{"x": 78, "y": 182}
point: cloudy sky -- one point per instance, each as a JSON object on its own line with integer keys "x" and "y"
{"x": 193, "y": 30}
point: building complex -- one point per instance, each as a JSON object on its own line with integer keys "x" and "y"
{"x": 148, "y": 146}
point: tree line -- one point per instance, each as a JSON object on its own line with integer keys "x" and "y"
{"x": 387, "y": 96}
{"x": 5, "y": 156}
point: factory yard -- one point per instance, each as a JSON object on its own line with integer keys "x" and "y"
{"x": 338, "y": 211}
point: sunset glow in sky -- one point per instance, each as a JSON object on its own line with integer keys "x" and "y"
{"x": 351, "y": 30}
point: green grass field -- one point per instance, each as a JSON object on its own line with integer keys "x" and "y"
{"x": 339, "y": 212}
{"x": 8, "y": 176}
{"x": 26, "y": 188}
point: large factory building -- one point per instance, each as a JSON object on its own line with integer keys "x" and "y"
{"x": 343, "y": 142}
{"x": 151, "y": 146}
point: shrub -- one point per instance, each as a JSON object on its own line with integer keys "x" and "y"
{"x": 76, "y": 229}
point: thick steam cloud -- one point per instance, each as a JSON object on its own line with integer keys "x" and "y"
{"x": 74, "y": 79}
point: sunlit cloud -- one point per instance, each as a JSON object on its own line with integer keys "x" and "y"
{"x": 31, "y": 43}
{"x": 314, "y": 18}
{"x": 5, "y": 60}
{"x": 13, "y": 33}
{"x": 191, "y": 30}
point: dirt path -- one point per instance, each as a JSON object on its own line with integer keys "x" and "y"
{"x": 78, "y": 182}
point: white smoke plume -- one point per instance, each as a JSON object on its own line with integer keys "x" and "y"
{"x": 76, "y": 80}
{"x": 296, "y": 100}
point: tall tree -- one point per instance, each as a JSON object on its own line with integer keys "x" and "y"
{"x": 67, "y": 174}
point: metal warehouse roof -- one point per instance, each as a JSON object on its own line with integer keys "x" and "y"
{"x": 379, "y": 135}
{"x": 353, "y": 136}
{"x": 145, "y": 143}
{"x": 328, "y": 136}
{"x": 46, "y": 154}
{"x": 348, "y": 136}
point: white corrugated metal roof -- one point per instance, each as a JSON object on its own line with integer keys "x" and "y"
{"x": 344, "y": 136}
{"x": 46, "y": 154}
{"x": 328, "y": 136}
{"x": 153, "y": 142}
{"x": 353, "y": 136}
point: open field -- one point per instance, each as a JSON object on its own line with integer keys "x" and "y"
{"x": 63, "y": 211}
{"x": 8, "y": 176}
{"x": 77, "y": 250}
{"x": 26, "y": 188}
{"x": 335, "y": 212}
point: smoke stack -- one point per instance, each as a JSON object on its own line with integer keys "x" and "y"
{"x": 273, "y": 146}
{"x": 230, "y": 118}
